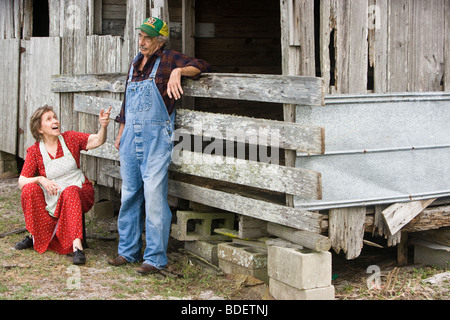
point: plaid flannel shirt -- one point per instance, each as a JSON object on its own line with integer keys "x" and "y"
{"x": 170, "y": 60}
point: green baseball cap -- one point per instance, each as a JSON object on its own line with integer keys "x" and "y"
{"x": 154, "y": 27}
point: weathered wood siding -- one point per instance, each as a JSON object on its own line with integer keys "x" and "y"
{"x": 9, "y": 91}
{"x": 384, "y": 45}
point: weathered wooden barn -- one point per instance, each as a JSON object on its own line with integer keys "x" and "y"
{"x": 356, "y": 91}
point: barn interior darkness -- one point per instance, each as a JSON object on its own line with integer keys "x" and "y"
{"x": 40, "y": 18}
{"x": 239, "y": 37}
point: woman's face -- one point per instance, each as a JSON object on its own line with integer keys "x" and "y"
{"x": 49, "y": 124}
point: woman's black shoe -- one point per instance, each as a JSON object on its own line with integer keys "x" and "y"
{"x": 24, "y": 244}
{"x": 79, "y": 257}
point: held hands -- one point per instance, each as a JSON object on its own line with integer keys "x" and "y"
{"x": 104, "y": 117}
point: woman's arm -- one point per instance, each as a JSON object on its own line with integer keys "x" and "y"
{"x": 51, "y": 186}
{"x": 96, "y": 140}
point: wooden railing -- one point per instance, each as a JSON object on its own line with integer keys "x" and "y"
{"x": 241, "y": 173}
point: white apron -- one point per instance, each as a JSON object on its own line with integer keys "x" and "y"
{"x": 64, "y": 171}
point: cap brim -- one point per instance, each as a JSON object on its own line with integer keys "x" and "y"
{"x": 149, "y": 31}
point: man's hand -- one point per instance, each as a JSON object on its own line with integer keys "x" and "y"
{"x": 174, "y": 89}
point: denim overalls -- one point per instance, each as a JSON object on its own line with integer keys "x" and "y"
{"x": 145, "y": 154}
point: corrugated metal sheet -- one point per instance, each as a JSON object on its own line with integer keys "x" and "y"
{"x": 380, "y": 149}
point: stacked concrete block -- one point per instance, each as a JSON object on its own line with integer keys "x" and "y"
{"x": 204, "y": 249}
{"x": 194, "y": 226}
{"x": 431, "y": 254}
{"x": 238, "y": 258}
{"x": 299, "y": 274}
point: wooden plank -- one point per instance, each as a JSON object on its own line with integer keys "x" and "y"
{"x": 447, "y": 46}
{"x": 103, "y": 55}
{"x": 262, "y": 210}
{"x": 425, "y": 47}
{"x": 254, "y": 87}
{"x": 430, "y": 218}
{"x": 325, "y": 29}
{"x": 378, "y": 41}
{"x": 298, "y": 219}
{"x": 9, "y": 94}
{"x": 346, "y": 230}
{"x": 398, "y": 215}
{"x": 306, "y": 184}
{"x": 290, "y": 136}
{"x": 296, "y": 181}
{"x": 135, "y": 15}
{"x": 351, "y": 46}
{"x": 306, "y": 239}
{"x": 112, "y": 82}
{"x": 295, "y": 218}
{"x": 264, "y": 88}
{"x": 43, "y": 60}
{"x": 398, "y": 39}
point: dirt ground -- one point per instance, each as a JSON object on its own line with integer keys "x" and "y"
{"x": 27, "y": 275}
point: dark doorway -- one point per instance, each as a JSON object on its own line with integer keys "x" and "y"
{"x": 41, "y": 20}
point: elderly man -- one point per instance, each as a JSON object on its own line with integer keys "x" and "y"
{"x": 145, "y": 145}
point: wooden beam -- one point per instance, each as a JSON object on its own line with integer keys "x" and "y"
{"x": 306, "y": 239}
{"x": 291, "y": 136}
{"x": 398, "y": 215}
{"x": 257, "y": 87}
{"x": 109, "y": 82}
{"x": 430, "y": 218}
{"x": 295, "y": 218}
{"x": 263, "y": 210}
{"x": 252, "y": 87}
{"x": 304, "y": 183}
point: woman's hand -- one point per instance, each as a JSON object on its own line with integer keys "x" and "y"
{"x": 104, "y": 117}
{"x": 51, "y": 186}
{"x": 96, "y": 140}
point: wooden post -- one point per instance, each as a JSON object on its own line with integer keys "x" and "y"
{"x": 188, "y": 41}
{"x": 346, "y": 230}
{"x": 298, "y": 56}
{"x": 402, "y": 250}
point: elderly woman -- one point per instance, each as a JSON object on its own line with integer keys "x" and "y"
{"x": 55, "y": 192}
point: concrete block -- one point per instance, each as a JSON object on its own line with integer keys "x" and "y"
{"x": 194, "y": 226}
{"x": 232, "y": 268}
{"x": 237, "y": 258}
{"x": 283, "y": 291}
{"x": 204, "y": 249}
{"x": 246, "y": 256}
{"x": 432, "y": 254}
{"x": 300, "y": 268}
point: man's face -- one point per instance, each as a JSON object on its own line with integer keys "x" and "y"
{"x": 147, "y": 44}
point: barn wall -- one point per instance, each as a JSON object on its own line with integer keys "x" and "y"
{"x": 356, "y": 47}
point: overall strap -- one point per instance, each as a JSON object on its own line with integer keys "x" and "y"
{"x": 155, "y": 68}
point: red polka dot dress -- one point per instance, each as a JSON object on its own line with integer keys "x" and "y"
{"x": 55, "y": 233}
